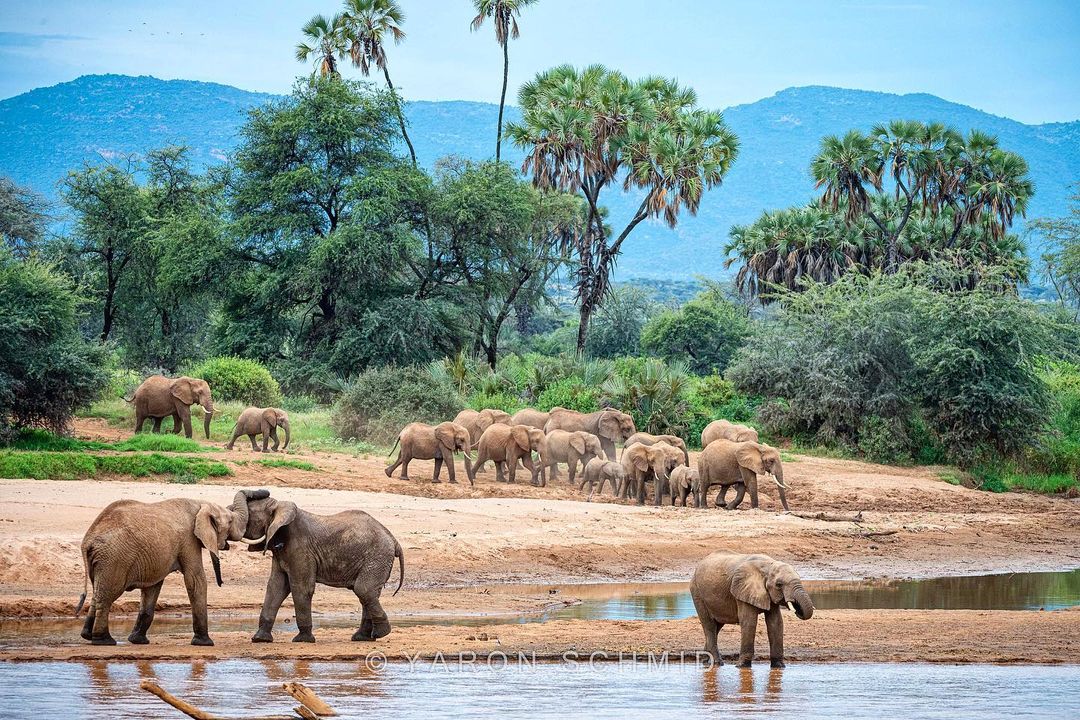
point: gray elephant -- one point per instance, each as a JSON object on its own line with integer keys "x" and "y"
{"x": 533, "y": 418}
{"x": 727, "y": 463}
{"x": 648, "y": 439}
{"x": 137, "y": 545}
{"x": 477, "y": 421}
{"x": 571, "y": 448}
{"x": 350, "y": 549}
{"x": 598, "y": 471}
{"x": 611, "y": 426}
{"x": 684, "y": 484}
{"x": 729, "y": 588}
{"x": 724, "y": 430}
{"x": 644, "y": 463}
{"x": 160, "y": 397}
{"x": 505, "y": 445}
{"x": 261, "y": 421}
{"x": 420, "y": 441}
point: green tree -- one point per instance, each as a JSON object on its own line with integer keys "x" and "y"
{"x": 325, "y": 43}
{"x": 23, "y": 215}
{"x": 504, "y": 15}
{"x": 1061, "y": 258}
{"x": 707, "y": 330}
{"x": 616, "y": 328}
{"x": 594, "y": 130}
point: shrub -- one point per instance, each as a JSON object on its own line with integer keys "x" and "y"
{"x": 570, "y": 393}
{"x": 380, "y": 401}
{"x": 705, "y": 332}
{"x": 299, "y": 403}
{"x": 497, "y": 401}
{"x": 233, "y": 378}
{"x": 615, "y": 330}
{"x": 654, "y": 393}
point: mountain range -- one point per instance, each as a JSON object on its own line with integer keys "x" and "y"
{"x": 108, "y": 118}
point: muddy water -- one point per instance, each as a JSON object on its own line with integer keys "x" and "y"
{"x": 246, "y": 688}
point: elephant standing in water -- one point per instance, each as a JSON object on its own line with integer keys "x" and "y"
{"x": 729, "y": 588}
{"x": 261, "y": 421}
{"x": 160, "y": 397}
{"x": 136, "y": 545}
{"x": 350, "y": 549}
{"x": 727, "y": 463}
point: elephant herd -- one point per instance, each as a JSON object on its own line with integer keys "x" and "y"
{"x": 732, "y": 457}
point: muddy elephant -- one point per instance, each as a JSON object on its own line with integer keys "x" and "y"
{"x": 724, "y": 430}
{"x": 684, "y": 484}
{"x": 477, "y": 421}
{"x": 648, "y": 439}
{"x": 505, "y": 445}
{"x": 729, "y": 588}
{"x": 160, "y": 397}
{"x": 261, "y": 421}
{"x": 728, "y": 463}
{"x": 571, "y": 448}
{"x": 611, "y": 426}
{"x": 420, "y": 441}
{"x": 645, "y": 463}
{"x": 350, "y": 549}
{"x": 530, "y": 417}
{"x": 136, "y": 545}
{"x": 599, "y": 471}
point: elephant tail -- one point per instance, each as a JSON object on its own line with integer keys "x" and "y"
{"x": 86, "y": 582}
{"x": 396, "y": 442}
{"x": 401, "y": 564}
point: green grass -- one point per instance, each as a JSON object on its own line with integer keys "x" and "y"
{"x": 41, "y": 440}
{"x": 952, "y": 477}
{"x": 47, "y": 465}
{"x": 295, "y": 464}
{"x": 1002, "y": 478}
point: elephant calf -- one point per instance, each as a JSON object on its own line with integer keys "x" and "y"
{"x": 729, "y": 588}
{"x": 261, "y": 421}
{"x": 598, "y": 471}
{"x": 420, "y": 441}
{"x": 684, "y": 483}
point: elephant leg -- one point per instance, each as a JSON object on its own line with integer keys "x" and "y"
{"x": 406, "y": 458}
{"x": 277, "y": 589}
{"x": 571, "y": 469}
{"x": 185, "y": 417}
{"x": 438, "y": 468}
{"x": 303, "y": 590}
{"x": 711, "y": 628}
{"x": 195, "y": 582}
{"x": 740, "y": 492}
{"x": 140, "y": 420}
{"x": 774, "y": 624}
{"x": 232, "y": 441}
{"x": 450, "y": 471}
{"x": 176, "y": 424}
{"x": 146, "y": 614}
{"x": 750, "y": 481}
{"x": 254, "y": 445}
{"x": 609, "y": 448}
{"x": 274, "y": 437}
{"x": 266, "y": 435}
{"x": 389, "y": 470}
{"x": 721, "y": 497}
{"x": 748, "y": 615}
{"x": 499, "y": 466}
{"x": 538, "y": 477}
{"x": 157, "y": 424}
{"x": 106, "y": 591}
{"x": 88, "y": 624}
{"x": 374, "y": 622}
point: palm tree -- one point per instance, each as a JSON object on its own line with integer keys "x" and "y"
{"x": 367, "y": 23}
{"x": 503, "y": 14}
{"x": 326, "y": 44}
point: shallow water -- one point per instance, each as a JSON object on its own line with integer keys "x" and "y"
{"x": 244, "y": 688}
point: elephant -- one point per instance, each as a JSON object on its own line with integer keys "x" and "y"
{"x": 160, "y": 397}
{"x": 726, "y": 463}
{"x": 646, "y": 439}
{"x": 684, "y": 483}
{"x": 136, "y": 545}
{"x": 261, "y": 421}
{"x": 570, "y": 448}
{"x": 420, "y": 441}
{"x": 349, "y": 549}
{"x": 609, "y": 425}
{"x": 728, "y": 588}
{"x": 648, "y": 462}
{"x": 505, "y": 445}
{"x": 599, "y": 471}
{"x": 724, "y": 430}
{"x": 477, "y": 421}
{"x": 530, "y": 417}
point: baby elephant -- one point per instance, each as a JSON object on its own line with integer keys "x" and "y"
{"x": 261, "y": 421}
{"x": 348, "y": 550}
{"x": 684, "y": 483}
{"x": 729, "y": 588}
{"x": 600, "y": 471}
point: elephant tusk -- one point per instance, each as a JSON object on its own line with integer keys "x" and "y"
{"x": 252, "y": 542}
{"x": 778, "y": 483}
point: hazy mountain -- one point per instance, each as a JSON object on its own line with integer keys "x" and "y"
{"x": 49, "y": 131}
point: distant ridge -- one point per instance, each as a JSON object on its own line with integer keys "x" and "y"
{"x": 49, "y": 131}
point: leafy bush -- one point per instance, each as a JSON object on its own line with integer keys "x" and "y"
{"x": 47, "y": 369}
{"x": 704, "y": 332}
{"x": 233, "y": 378}
{"x": 654, "y": 393}
{"x": 711, "y": 397}
{"x": 380, "y": 401}
{"x": 615, "y": 329}
{"x": 570, "y": 393}
{"x": 299, "y": 403}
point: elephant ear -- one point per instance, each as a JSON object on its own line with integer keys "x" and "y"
{"x": 609, "y": 426}
{"x": 520, "y": 433}
{"x": 270, "y": 415}
{"x": 284, "y": 513}
{"x": 640, "y": 459}
{"x": 205, "y": 530}
{"x": 749, "y": 456}
{"x": 578, "y": 443}
{"x": 182, "y": 390}
{"x": 445, "y": 436}
{"x": 748, "y": 585}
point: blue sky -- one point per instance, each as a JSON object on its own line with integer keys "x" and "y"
{"x": 1015, "y": 58}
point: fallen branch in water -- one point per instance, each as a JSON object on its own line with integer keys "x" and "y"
{"x": 190, "y": 710}
{"x": 306, "y": 697}
{"x": 829, "y": 518}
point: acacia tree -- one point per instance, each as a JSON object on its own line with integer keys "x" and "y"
{"x": 503, "y": 14}
{"x": 594, "y": 130}
{"x": 1061, "y": 259}
{"x": 23, "y": 214}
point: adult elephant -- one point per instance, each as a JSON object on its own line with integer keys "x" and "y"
{"x": 261, "y": 421}
{"x": 728, "y": 463}
{"x": 643, "y": 463}
{"x": 611, "y": 426}
{"x": 350, "y": 549}
{"x": 530, "y": 417}
{"x": 505, "y": 445}
{"x": 729, "y": 588}
{"x": 477, "y": 421}
{"x": 724, "y": 430}
{"x": 649, "y": 439}
{"x": 160, "y": 397}
{"x": 571, "y": 448}
{"x": 136, "y": 545}
{"x": 420, "y": 441}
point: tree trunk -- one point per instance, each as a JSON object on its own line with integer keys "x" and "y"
{"x": 585, "y": 314}
{"x": 109, "y": 312}
{"x": 400, "y": 115}
{"x": 502, "y": 100}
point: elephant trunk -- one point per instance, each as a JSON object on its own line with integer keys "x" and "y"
{"x": 208, "y": 415}
{"x": 781, "y": 486}
{"x": 239, "y": 508}
{"x": 799, "y": 600}
{"x": 285, "y": 425}
{"x": 216, "y": 562}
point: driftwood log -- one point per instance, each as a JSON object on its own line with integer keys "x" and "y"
{"x": 306, "y": 697}
{"x": 190, "y": 710}
{"x": 858, "y": 518}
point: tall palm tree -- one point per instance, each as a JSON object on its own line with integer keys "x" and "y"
{"x": 367, "y": 24}
{"x": 325, "y": 43}
{"x": 503, "y": 14}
